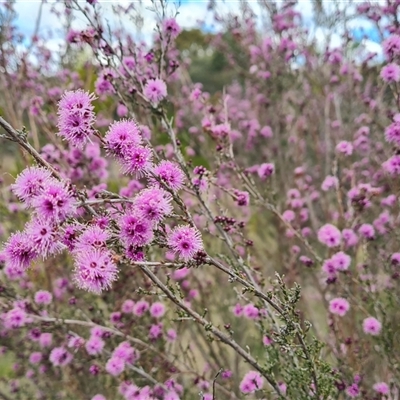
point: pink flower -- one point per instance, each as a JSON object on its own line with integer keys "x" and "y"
{"x": 155, "y": 331}
{"x": 127, "y": 306}
{"x": 155, "y": 90}
{"x": 392, "y": 165}
{"x": 264, "y": 171}
{"x": 94, "y": 345}
{"x": 330, "y": 182}
{"x": 94, "y": 270}
{"x": 92, "y": 238}
{"x": 349, "y": 237}
{"x": 242, "y": 198}
{"x": 341, "y": 261}
{"x": 237, "y": 310}
{"x": 97, "y": 331}
{"x": 266, "y": 132}
{"x": 55, "y": 202}
{"x": 45, "y": 339}
{"x": 329, "y": 235}
{"x": 227, "y": 374}
{"x": 391, "y": 47}
{"x": 390, "y": 73}
{"x": 129, "y": 62}
{"x": 381, "y": 387}
{"x": 76, "y": 342}
{"x": 35, "y": 357}
{"x": 19, "y": 251}
{"x": 115, "y": 366}
{"x": 251, "y": 382}
{"x": 140, "y": 308}
{"x": 289, "y": 215}
{"x": 121, "y": 137}
{"x": 185, "y": 241}
{"x": 171, "y": 335}
{"x": 60, "y": 357}
{"x": 104, "y": 83}
{"x": 137, "y": 161}
{"x": 45, "y": 236}
{"x": 170, "y": 174}
{"x": 15, "y": 318}
{"x": 251, "y": 311}
{"x": 153, "y": 204}
{"x": 372, "y": 326}
{"x": 267, "y": 341}
{"x": 392, "y": 133}
{"x": 345, "y": 148}
{"x": 329, "y": 267}
{"x": 395, "y": 258}
{"x": 367, "y": 230}
{"x": 76, "y": 117}
{"x": 98, "y": 397}
{"x": 125, "y": 352}
{"x": 282, "y": 387}
{"x": 122, "y": 110}
{"x": 353, "y": 390}
{"x": 43, "y": 297}
{"x": 170, "y": 26}
{"x": 135, "y": 230}
{"x": 30, "y": 183}
{"x": 180, "y": 273}
{"x": 157, "y": 310}
{"x": 339, "y": 306}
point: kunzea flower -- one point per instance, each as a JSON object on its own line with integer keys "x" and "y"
{"x": 170, "y": 174}
{"x": 115, "y": 366}
{"x": 341, "y": 261}
{"x": 94, "y": 345}
{"x": 171, "y": 27}
{"x": 157, "y": 310}
{"x": 391, "y": 47}
{"x": 329, "y": 235}
{"x": 30, "y": 183}
{"x": 55, "y": 202}
{"x": 76, "y": 117}
{"x": 381, "y": 388}
{"x": 19, "y": 251}
{"x": 43, "y": 297}
{"x": 122, "y": 137}
{"x": 339, "y": 306}
{"x": 185, "y": 241}
{"x": 153, "y": 204}
{"x": 390, "y": 73}
{"x": 94, "y": 270}
{"x": 137, "y": 161}
{"x": 372, "y": 326}
{"x": 392, "y": 165}
{"x": 93, "y": 237}
{"x": 251, "y": 382}
{"x": 155, "y": 90}
{"x": 45, "y": 236}
{"x": 60, "y": 357}
{"x": 345, "y": 148}
{"x": 135, "y": 230}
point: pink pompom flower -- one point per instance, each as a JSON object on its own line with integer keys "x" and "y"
{"x": 251, "y": 382}
{"x": 329, "y": 235}
{"x": 372, "y": 326}
{"x": 339, "y": 306}
{"x": 185, "y": 241}
{"x": 76, "y": 117}
{"x": 155, "y": 90}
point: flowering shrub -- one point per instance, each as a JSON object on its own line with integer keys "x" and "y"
{"x": 164, "y": 242}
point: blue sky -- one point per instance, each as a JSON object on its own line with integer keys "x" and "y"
{"x": 190, "y": 12}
